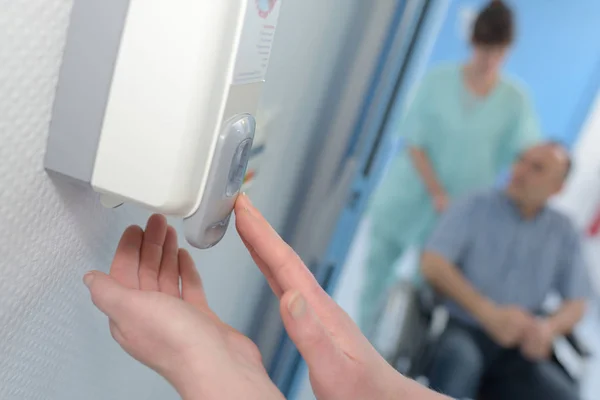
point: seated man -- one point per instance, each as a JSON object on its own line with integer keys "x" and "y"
{"x": 496, "y": 256}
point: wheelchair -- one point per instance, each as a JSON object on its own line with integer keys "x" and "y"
{"x": 412, "y": 321}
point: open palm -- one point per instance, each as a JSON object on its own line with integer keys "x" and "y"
{"x": 168, "y": 325}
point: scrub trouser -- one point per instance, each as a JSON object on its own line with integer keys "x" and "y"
{"x": 378, "y": 277}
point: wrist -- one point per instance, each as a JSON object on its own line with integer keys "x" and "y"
{"x": 553, "y": 326}
{"x": 405, "y": 388}
{"x": 397, "y": 386}
{"x": 188, "y": 379}
{"x": 483, "y": 311}
{"x": 194, "y": 380}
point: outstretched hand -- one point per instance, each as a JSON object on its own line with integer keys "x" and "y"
{"x": 158, "y": 313}
{"x": 342, "y": 363}
{"x": 171, "y": 328}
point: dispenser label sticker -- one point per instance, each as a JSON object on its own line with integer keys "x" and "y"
{"x": 256, "y": 41}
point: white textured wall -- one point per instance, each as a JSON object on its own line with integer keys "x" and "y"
{"x": 53, "y": 344}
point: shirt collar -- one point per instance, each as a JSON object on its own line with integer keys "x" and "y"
{"x": 517, "y": 212}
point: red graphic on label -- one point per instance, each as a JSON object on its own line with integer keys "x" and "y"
{"x": 594, "y": 229}
{"x": 265, "y": 7}
{"x": 249, "y": 176}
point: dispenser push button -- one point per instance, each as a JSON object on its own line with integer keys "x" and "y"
{"x": 207, "y": 226}
{"x": 238, "y": 168}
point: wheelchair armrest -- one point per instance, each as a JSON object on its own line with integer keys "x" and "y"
{"x": 571, "y": 356}
{"x": 438, "y": 323}
{"x": 431, "y": 307}
{"x": 428, "y": 299}
{"x": 578, "y": 345}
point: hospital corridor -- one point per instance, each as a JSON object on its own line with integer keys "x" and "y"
{"x": 299, "y": 199}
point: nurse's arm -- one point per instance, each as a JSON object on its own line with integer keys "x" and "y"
{"x": 423, "y": 165}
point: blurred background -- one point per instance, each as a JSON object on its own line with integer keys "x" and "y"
{"x": 397, "y": 110}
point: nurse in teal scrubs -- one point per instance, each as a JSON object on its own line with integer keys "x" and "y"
{"x": 464, "y": 126}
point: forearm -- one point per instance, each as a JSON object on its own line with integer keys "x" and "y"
{"x": 423, "y": 166}
{"x": 448, "y": 280}
{"x": 563, "y": 321}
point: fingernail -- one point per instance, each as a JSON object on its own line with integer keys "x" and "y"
{"x": 88, "y": 278}
{"x": 297, "y": 306}
{"x": 248, "y": 202}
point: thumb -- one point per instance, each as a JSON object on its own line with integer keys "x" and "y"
{"x": 107, "y": 294}
{"x": 315, "y": 344}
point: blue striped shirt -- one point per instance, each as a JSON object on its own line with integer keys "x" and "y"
{"x": 508, "y": 259}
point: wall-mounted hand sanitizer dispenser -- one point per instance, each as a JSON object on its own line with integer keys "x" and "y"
{"x": 155, "y": 103}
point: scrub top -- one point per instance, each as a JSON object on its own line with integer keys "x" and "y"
{"x": 469, "y": 141}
